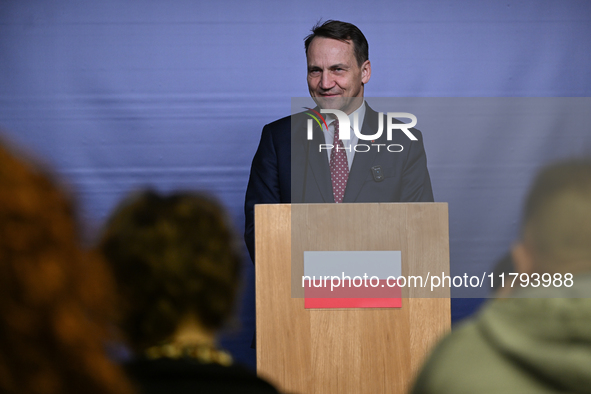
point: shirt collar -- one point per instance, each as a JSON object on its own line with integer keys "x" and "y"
{"x": 360, "y": 114}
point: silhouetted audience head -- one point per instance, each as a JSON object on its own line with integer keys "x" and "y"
{"x": 556, "y": 228}
{"x": 177, "y": 264}
{"x": 55, "y": 299}
{"x": 539, "y": 340}
{"x": 503, "y": 266}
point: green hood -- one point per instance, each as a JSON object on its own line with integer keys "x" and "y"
{"x": 550, "y": 337}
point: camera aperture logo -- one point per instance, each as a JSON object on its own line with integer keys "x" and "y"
{"x": 345, "y": 129}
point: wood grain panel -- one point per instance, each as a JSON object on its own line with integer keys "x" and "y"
{"x": 375, "y": 350}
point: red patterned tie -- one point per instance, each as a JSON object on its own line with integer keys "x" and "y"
{"x": 339, "y": 168}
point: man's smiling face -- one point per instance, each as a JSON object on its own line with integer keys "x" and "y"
{"x": 335, "y": 79}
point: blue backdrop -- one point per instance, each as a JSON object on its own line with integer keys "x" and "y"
{"x": 122, "y": 94}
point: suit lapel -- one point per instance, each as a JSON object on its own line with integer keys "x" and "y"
{"x": 318, "y": 173}
{"x": 362, "y": 161}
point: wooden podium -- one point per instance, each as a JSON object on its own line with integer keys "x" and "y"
{"x": 362, "y": 350}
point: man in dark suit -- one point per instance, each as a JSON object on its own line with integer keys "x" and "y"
{"x": 289, "y": 166}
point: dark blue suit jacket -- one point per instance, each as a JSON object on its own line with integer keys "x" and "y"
{"x": 287, "y": 168}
